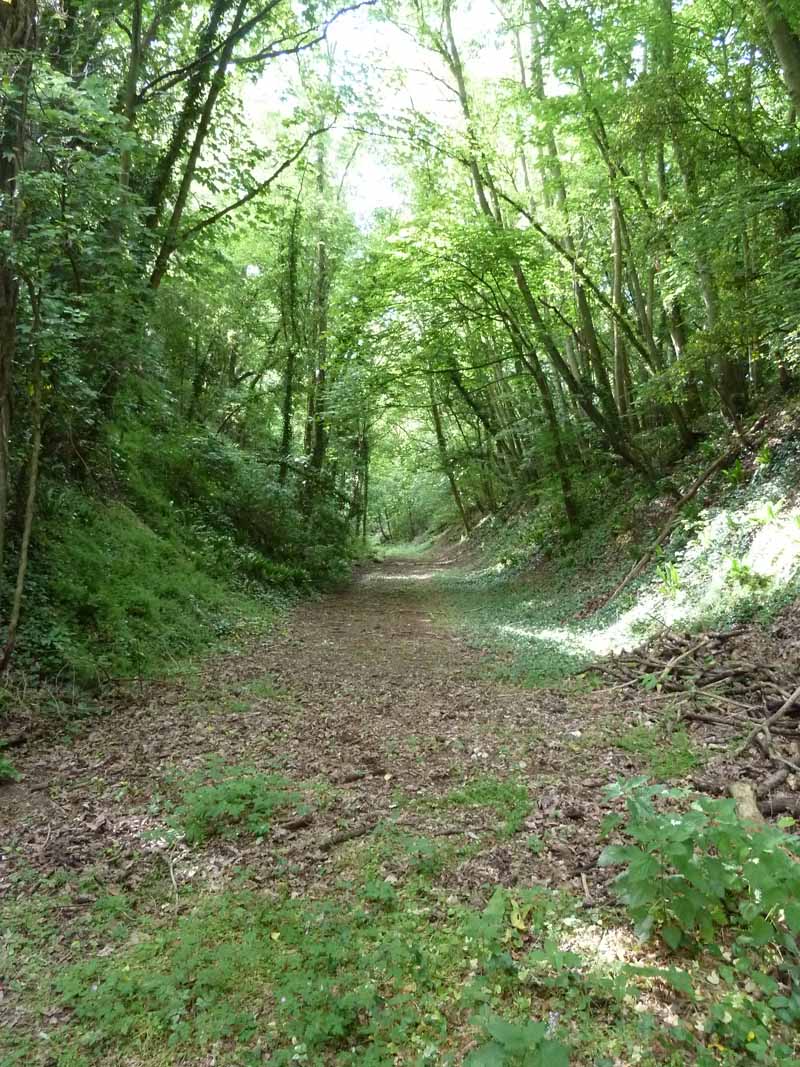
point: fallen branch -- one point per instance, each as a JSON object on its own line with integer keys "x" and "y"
{"x": 776, "y": 778}
{"x": 680, "y": 658}
{"x": 764, "y": 727}
{"x": 781, "y": 804}
{"x": 297, "y": 823}
{"x": 347, "y": 835}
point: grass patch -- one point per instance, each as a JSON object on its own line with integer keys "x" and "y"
{"x": 666, "y": 749}
{"x": 406, "y": 549}
{"x": 267, "y": 689}
{"x": 508, "y": 800}
{"x": 372, "y": 975}
{"x": 224, "y": 801}
{"x": 371, "y": 972}
{"x": 109, "y": 596}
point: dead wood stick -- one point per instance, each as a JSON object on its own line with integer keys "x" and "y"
{"x": 787, "y": 762}
{"x": 673, "y": 663}
{"x": 698, "y": 716}
{"x": 767, "y": 723}
{"x": 347, "y": 835}
{"x": 717, "y": 699}
{"x": 688, "y": 496}
{"x": 298, "y": 822}
{"x": 587, "y": 896}
{"x": 776, "y": 778}
{"x": 780, "y": 804}
{"x": 451, "y": 831}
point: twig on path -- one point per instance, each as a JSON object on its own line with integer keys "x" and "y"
{"x": 587, "y": 896}
{"x": 690, "y": 651}
{"x": 449, "y": 831}
{"x": 298, "y": 823}
{"x": 347, "y": 835}
{"x": 171, "y": 866}
{"x": 782, "y": 759}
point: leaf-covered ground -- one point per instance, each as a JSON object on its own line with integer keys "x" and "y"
{"x": 351, "y": 842}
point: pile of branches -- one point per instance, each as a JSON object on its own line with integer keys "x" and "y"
{"x": 743, "y": 701}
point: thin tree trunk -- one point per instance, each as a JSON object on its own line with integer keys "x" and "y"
{"x": 531, "y": 360}
{"x": 33, "y": 476}
{"x": 444, "y": 458}
{"x": 17, "y": 45}
{"x": 620, "y": 354}
{"x": 190, "y": 112}
{"x": 171, "y": 237}
{"x": 129, "y": 90}
{"x": 318, "y": 429}
{"x": 365, "y": 478}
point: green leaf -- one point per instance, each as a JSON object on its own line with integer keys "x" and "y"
{"x": 491, "y": 1055}
{"x": 673, "y": 935}
{"x": 614, "y": 855}
{"x": 551, "y": 1054}
{"x": 792, "y": 915}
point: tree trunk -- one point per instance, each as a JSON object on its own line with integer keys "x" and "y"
{"x": 171, "y": 237}
{"x": 317, "y": 423}
{"x": 190, "y": 112}
{"x": 620, "y": 355}
{"x": 129, "y": 89}
{"x": 33, "y": 476}
{"x": 17, "y": 46}
{"x": 787, "y": 47}
{"x": 444, "y": 458}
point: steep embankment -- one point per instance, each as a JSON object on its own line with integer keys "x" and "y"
{"x": 733, "y": 556}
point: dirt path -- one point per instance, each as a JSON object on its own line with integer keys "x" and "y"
{"x": 378, "y": 709}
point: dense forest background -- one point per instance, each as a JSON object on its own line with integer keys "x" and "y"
{"x": 226, "y": 363}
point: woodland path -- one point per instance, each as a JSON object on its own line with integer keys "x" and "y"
{"x": 377, "y": 710}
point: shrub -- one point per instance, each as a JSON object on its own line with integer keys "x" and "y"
{"x": 691, "y": 870}
{"x": 222, "y": 800}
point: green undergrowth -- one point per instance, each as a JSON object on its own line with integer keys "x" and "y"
{"x": 665, "y": 748}
{"x": 219, "y": 800}
{"x": 109, "y": 597}
{"x": 506, "y": 799}
{"x": 406, "y": 549}
{"x": 191, "y": 542}
{"x": 383, "y": 962}
{"x": 526, "y": 621}
{"x": 376, "y": 971}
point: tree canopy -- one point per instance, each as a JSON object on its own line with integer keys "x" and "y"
{"x": 299, "y": 276}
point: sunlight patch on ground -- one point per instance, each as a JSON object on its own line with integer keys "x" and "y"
{"x": 424, "y": 577}
{"x": 599, "y": 944}
{"x": 733, "y": 555}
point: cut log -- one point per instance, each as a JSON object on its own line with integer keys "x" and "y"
{"x": 746, "y": 804}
